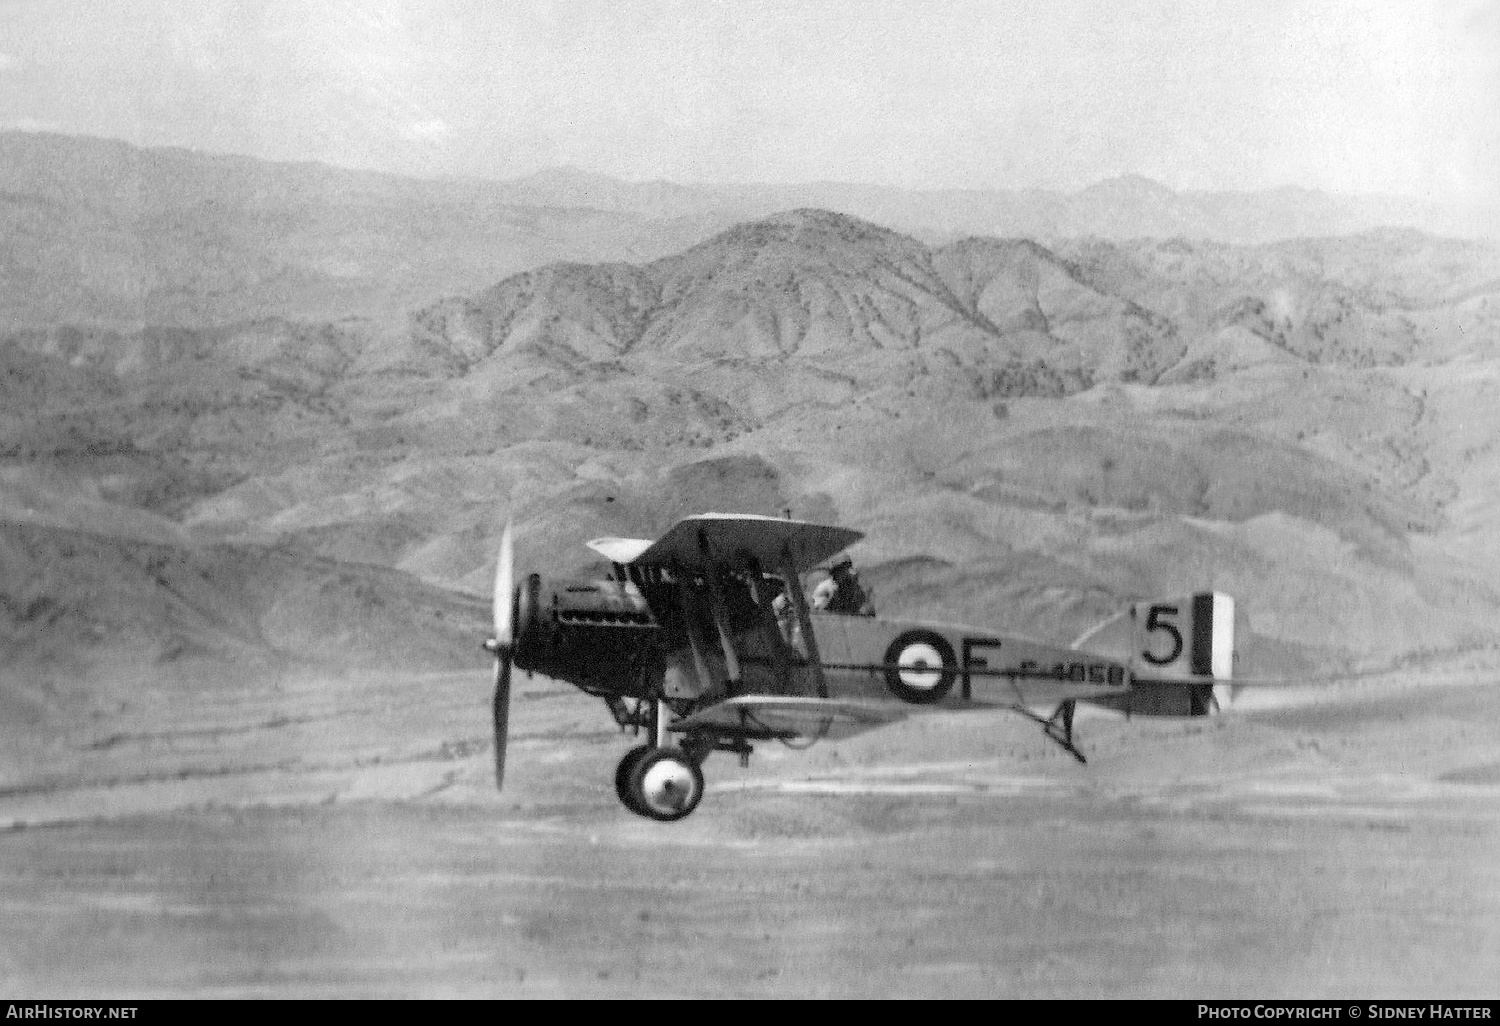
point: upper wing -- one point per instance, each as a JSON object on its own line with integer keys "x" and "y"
{"x": 786, "y": 716}
{"x": 732, "y": 539}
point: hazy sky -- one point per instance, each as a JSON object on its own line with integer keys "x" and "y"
{"x": 1399, "y": 96}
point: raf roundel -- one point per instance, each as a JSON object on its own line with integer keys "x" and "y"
{"x": 919, "y": 667}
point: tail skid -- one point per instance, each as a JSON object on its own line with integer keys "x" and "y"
{"x": 1058, "y": 727}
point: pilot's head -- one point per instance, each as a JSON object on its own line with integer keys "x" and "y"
{"x": 842, "y": 567}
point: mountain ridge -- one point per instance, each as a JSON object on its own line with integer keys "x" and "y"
{"x": 998, "y": 415}
{"x": 104, "y": 232}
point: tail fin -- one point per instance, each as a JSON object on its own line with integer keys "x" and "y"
{"x": 1184, "y": 653}
{"x": 1185, "y": 639}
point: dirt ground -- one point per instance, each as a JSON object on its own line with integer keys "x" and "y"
{"x": 341, "y": 837}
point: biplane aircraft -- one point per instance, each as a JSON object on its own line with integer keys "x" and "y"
{"x": 686, "y": 641}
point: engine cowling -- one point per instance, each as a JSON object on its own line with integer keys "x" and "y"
{"x": 600, "y": 604}
{"x": 587, "y": 633}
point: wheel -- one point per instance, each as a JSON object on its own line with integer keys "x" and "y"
{"x": 622, "y": 777}
{"x": 665, "y": 785}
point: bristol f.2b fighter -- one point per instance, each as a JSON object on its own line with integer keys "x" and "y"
{"x": 703, "y": 640}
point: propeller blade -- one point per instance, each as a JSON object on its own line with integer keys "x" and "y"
{"x": 502, "y": 713}
{"x": 505, "y": 591}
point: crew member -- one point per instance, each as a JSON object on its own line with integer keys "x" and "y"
{"x": 842, "y": 592}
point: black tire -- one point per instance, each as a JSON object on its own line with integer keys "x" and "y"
{"x": 665, "y": 785}
{"x": 911, "y": 684}
{"x": 622, "y": 777}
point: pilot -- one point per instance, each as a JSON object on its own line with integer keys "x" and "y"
{"x": 790, "y": 629}
{"x": 842, "y": 592}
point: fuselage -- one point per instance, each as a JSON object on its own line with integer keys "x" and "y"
{"x": 610, "y": 637}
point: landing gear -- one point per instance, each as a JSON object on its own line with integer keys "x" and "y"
{"x": 659, "y": 783}
{"x": 661, "y": 779}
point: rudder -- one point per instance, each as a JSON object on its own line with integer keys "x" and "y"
{"x": 1186, "y": 639}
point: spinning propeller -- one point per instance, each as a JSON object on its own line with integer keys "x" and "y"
{"x": 503, "y": 644}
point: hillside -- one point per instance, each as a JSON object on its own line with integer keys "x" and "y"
{"x": 1031, "y": 435}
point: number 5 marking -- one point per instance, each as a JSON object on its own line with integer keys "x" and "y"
{"x": 1156, "y": 621}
